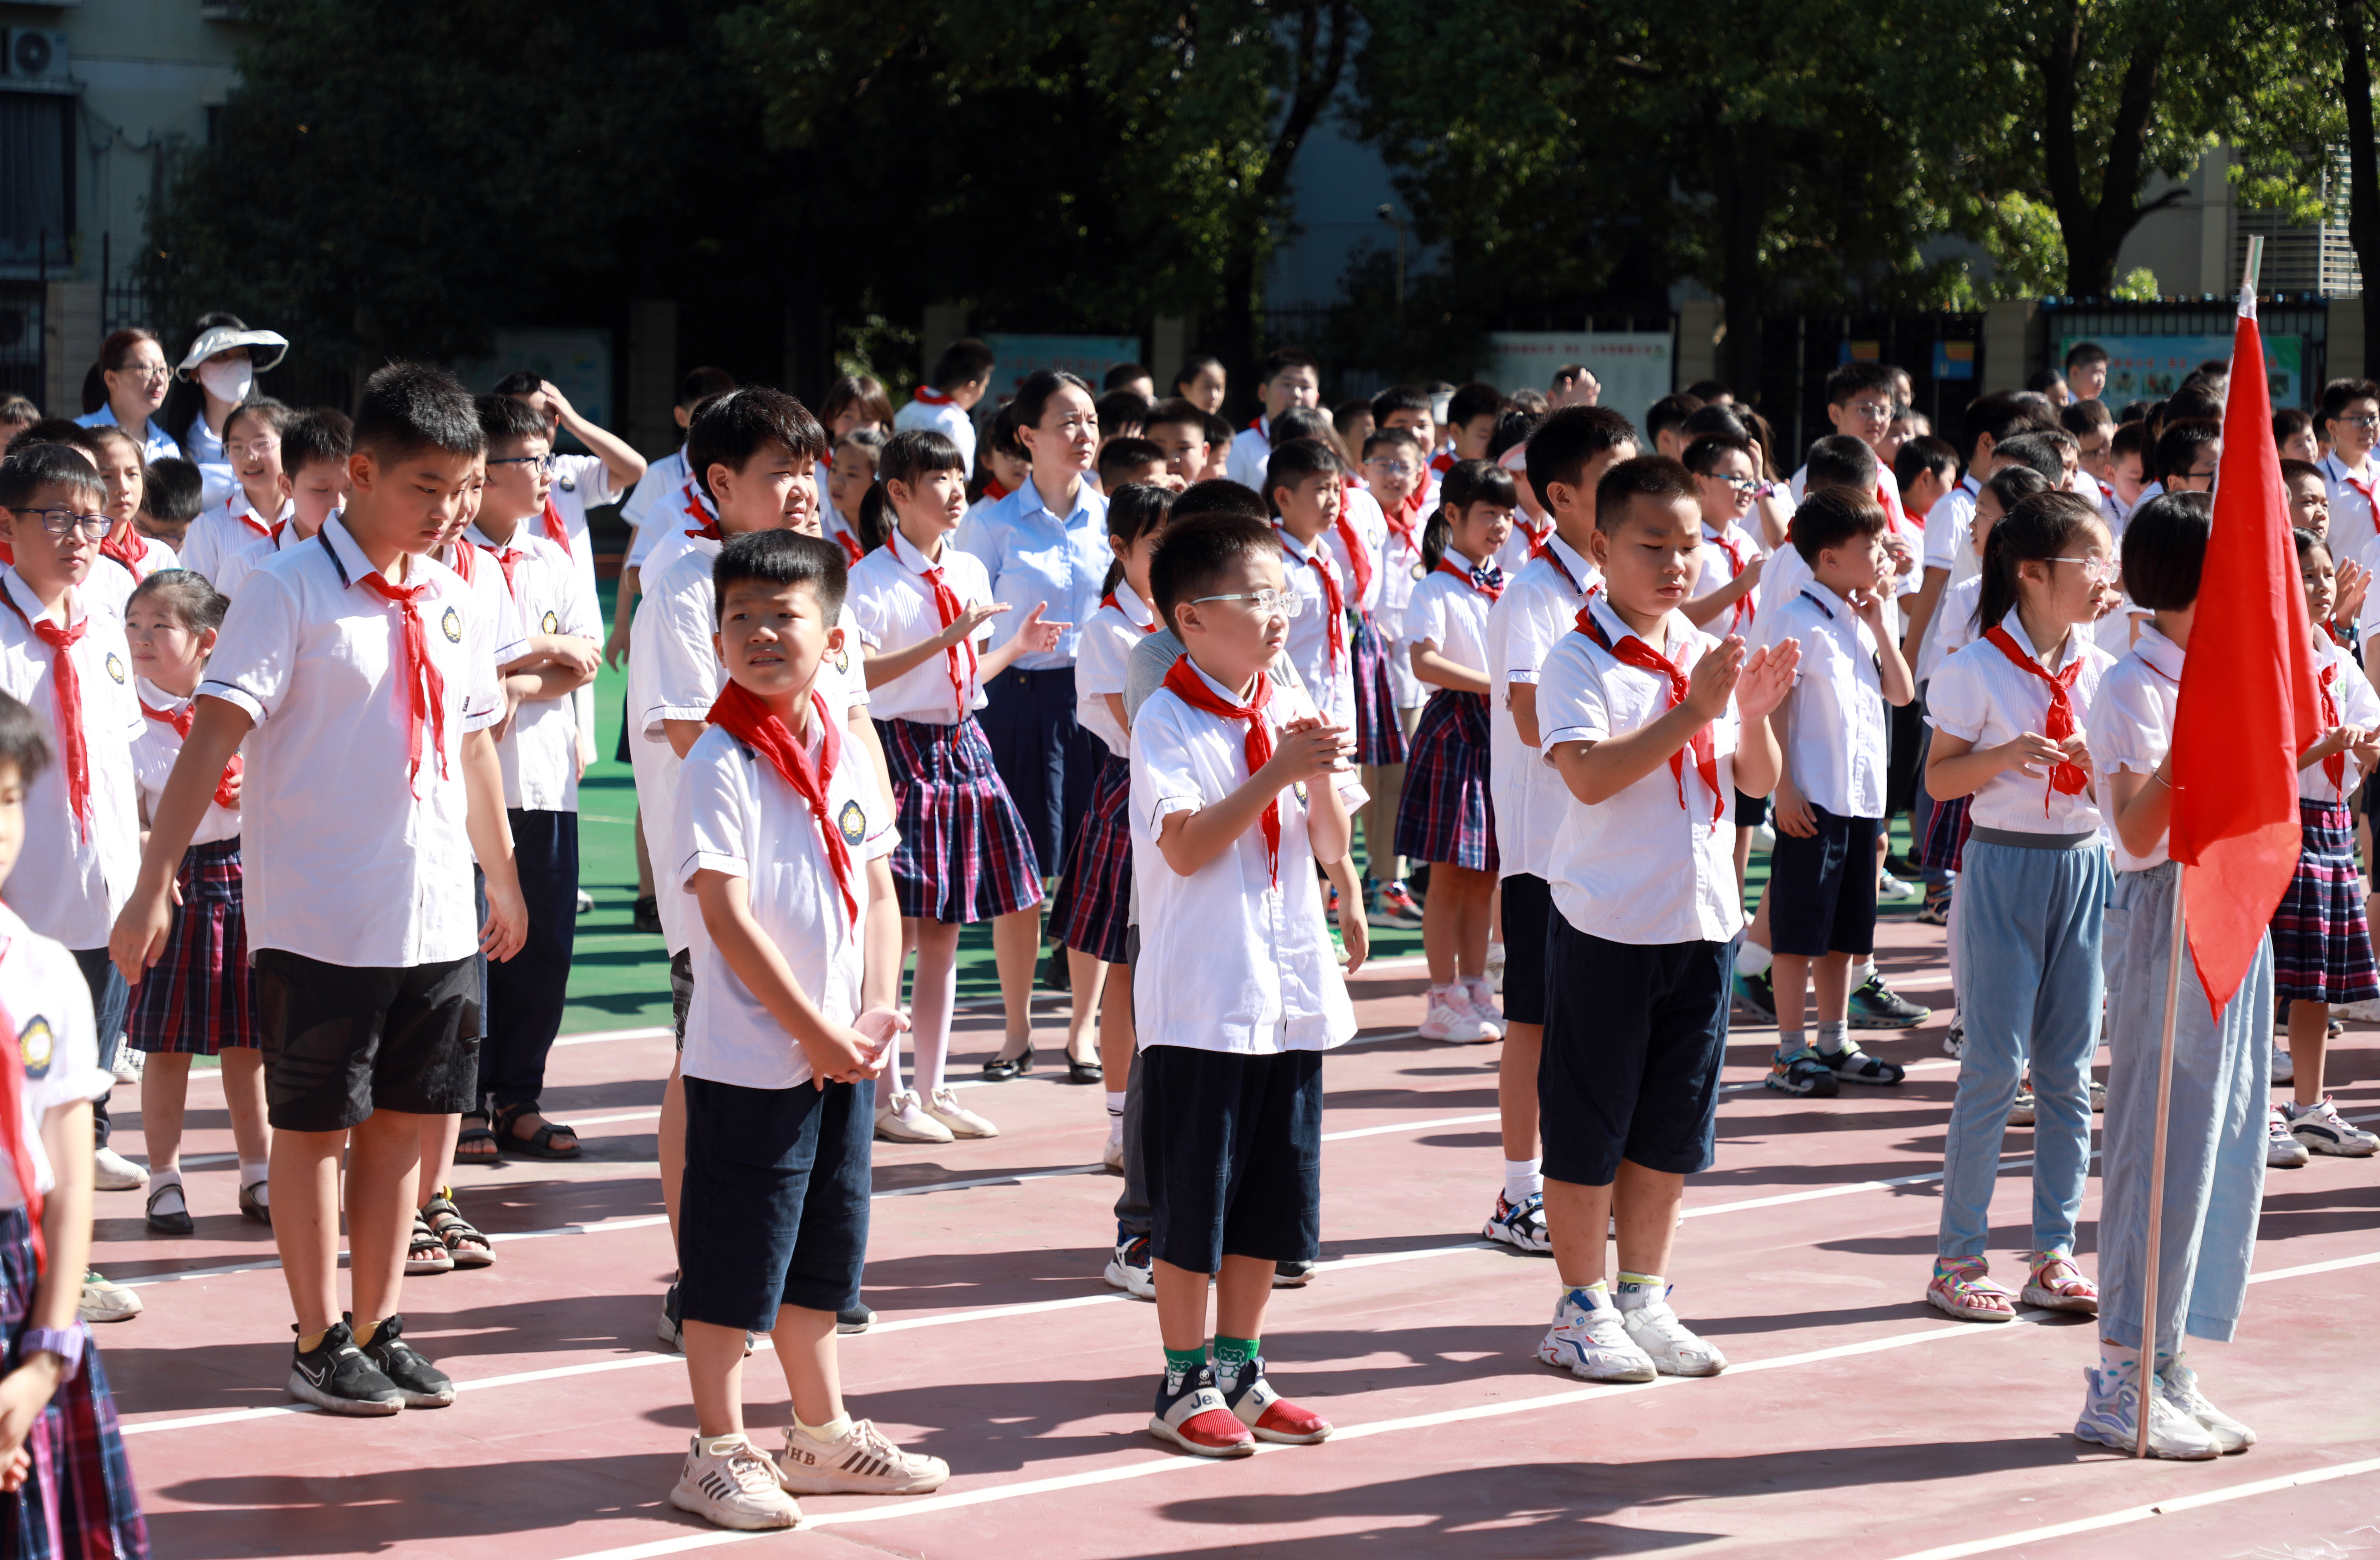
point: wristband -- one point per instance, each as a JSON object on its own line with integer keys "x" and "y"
{"x": 66, "y": 1343}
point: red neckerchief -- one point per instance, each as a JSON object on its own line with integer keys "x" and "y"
{"x": 1110, "y": 600}
{"x": 852, "y": 551}
{"x": 1255, "y": 424}
{"x": 1334, "y": 601}
{"x": 425, "y": 689}
{"x": 128, "y": 547}
{"x": 247, "y": 514}
{"x": 12, "y": 1126}
{"x": 555, "y": 531}
{"x": 2068, "y": 778}
{"x": 1635, "y": 653}
{"x": 1193, "y": 689}
{"x": 1470, "y": 577}
{"x": 1407, "y": 509}
{"x": 2371, "y": 505}
{"x": 2334, "y": 768}
{"x": 68, "y": 682}
{"x": 1442, "y": 462}
{"x": 1359, "y": 557}
{"x": 180, "y": 721}
{"x": 1540, "y": 541}
{"x": 459, "y": 557}
{"x": 932, "y": 396}
{"x": 706, "y": 524}
{"x": 740, "y": 714}
{"x": 507, "y": 556}
{"x": 947, "y": 606}
{"x": 1746, "y": 610}
{"x": 994, "y": 490}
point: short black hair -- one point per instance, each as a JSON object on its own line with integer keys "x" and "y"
{"x": 2079, "y": 418}
{"x": 963, "y": 362}
{"x": 2042, "y": 380}
{"x": 1570, "y": 440}
{"x": 1400, "y": 398}
{"x": 1220, "y": 496}
{"x": 2035, "y": 450}
{"x": 1830, "y": 516}
{"x": 2013, "y": 484}
{"x": 30, "y": 468}
{"x": 274, "y": 415}
{"x": 1219, "y": 432}
{"x": 1121, "y": 376}
{"x": 1119, "y": 457}
{"x": 1173, "y": 411}
{"x": 1515, "y": 427}
{"x": 2084, "y": 352}
{"x": 1281, "y": 357}
{"x": 1195, "y": 365}
{"x": 733, "y": 429}
{"x": 1847, "y": 379}
{"x": 1923, "y": 454}
{"x": 2194, "y": 402}
{"x": 407, "y": 407}
{"x": 2339, "y": 392}
{"x": 2000, "y": 414}
{"x": 507, "y": 417}
{"x": 1647, "y": 476}
{"x": 174, "y": 491}
{"x": 780, "y": 557}
{"x": 1194, "y": 553}
{"x": 1669, "y": 411}
{"x": 1702, "y": 457}
{"x": 1839, "y": 460}
{"x": 2289, "y": 421}
{"x": 2178, "y": 446}
{"x": 1708, "y": 390}
{"x": 914, "y": 453}
{"x": 1380, "y": 437}
{"x": 520, "y": 381}
{"x": 24, "y": 738}
{"x": 2295, "y": 471}
{"x": 1301, "y": 422}
{"x": 1295, "y": 461}
{"x": 1712, "y": 419}
{"x": 319, "y": 438}
{"x": 1122, "y": 408}
{"x": 2131, "y": 438}
{"x": 701, "y": 384}
{"x": 2165, "y": 548}
{"x": 1477, "y": 399}
{"x": 55, "y": 431}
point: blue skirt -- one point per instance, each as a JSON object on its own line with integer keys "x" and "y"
{"x": 1446, "y": 814}
{"x": 2321, "y": 948}
{"x": 1092, "y": 910}
{"x": 963, "y": 855}
{"x": 1379, "y": 736}
{"x": 81, "y": 1500}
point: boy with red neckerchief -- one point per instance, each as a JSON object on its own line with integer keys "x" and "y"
{"x": 1287, "y": 378}
{"x": 1396, "y": 466}
{"x": 962, "y": 375}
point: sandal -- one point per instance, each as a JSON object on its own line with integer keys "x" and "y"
{"x": 473, "y": 1137}
{"x": 425, "y": 1253}
{"x": 169, "y": 1221}
{"x": 538, "y": 1144}
{"x": 463, "y": 1243}
{"x": 1960, "y": 1289}
{"x": 2058, "y": 1284}
{"x": 1851, "y": 1065}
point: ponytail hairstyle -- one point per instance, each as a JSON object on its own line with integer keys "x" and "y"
{"x": 1000, "y": 438}
{"x": 1466, "y": 483}
{"x": 1436, "y": 532}
{"x": 2046, "y": 525}
{"x": 1137, "y": 510}
{"x": 874, "y": 522}
{"x": 188, "y": 595}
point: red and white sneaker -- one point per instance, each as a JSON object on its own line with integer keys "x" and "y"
{"x": 1191, "y": 1414}
{"x": 1269, "y": 1415}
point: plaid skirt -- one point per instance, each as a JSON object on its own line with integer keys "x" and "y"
{"x": 1092, "y": 910}
{"x": 79, "y": 1501}
{"x": 1379, "y": 736}
{"x": 2322, "y": 949}
{"x": 963, "y": 855}
{"x": 1946, "y": 837}
{"x": 200, "y": 997}
{"x": 1446, "y": 814}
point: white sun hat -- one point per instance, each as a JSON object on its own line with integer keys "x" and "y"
{"x": 265, "y": 348}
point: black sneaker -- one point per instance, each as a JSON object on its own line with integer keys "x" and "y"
{"x": 670, "y": 1331}
{"x": 1756, "y": 994}
{"x": 1802, "y": 1073}
{"x": 1056, "y": 975}
{"x": 647, "y": 916}
{"x": 858, "y": 1319}
{"x": 335, "y": 1376}
{"x": 1291, "y": 1275}
{"x": 422, "y": 1385}
{"x": 1876, "y": 1006}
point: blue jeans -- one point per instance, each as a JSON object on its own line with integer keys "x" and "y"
{"x": 2029, "y": 930}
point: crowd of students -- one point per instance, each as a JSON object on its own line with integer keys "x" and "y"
{"x": 890, "y": 674}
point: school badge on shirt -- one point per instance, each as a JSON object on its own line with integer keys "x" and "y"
{"x": 550, "y": 624}
{"x": 842, "y": 656}
{"x": 852, "y": 821}
{"x": 114, "y": 667}
{"x": 451, "y": 623}
{"x": 1419, "y": 572}
{"x": 35, "y": 1045}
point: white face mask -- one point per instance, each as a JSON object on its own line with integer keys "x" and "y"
{"x": 229, "y": 382}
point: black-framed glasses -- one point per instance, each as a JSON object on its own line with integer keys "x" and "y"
{"x": 60, "y": 522}
{"x": 542, "y": 462}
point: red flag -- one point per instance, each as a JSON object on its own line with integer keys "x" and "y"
{"x": 2248, "y": 702}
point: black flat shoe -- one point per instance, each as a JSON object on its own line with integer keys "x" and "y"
{"x": 1084, "y": 1072}
{"x": 171, "y": 1221}
{"x": 999, "y": 1069}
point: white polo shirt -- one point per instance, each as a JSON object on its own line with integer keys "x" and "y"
{"x": 540, "y": 752}
{"x": 1949, "y": 526}
{"x": 1362, "y": 512}
{"x": 237, "y": 566}
{"x": 1452, "y": 612}
{"x": 1727, "y": 553}
{"x": 153, "y": 752}
{"x": 942, "y": 415}
{"x": 581, "y": 482}
{"x": 2352, "y": 512}
{"x": 650, "y": 503}
{"x": 893, "y": 604}
{"x": 48, "y": 1006}
{"x": 1982, "y": 696}
{"x": 1228, "y": 960}
{"x": 1539, "y": 606}
{"x": 1100, "y": 661}
{"x": 738, "y": 816}
{"x": 2357, "y": 707}
{"x": 2131, "y": 723}
{"x": 1250, "y": 453}
{"x": 1638, "y": 867}
{"x": 68, "y": 882}
{"x": 229, "y": 539}
{"x": 1330, "y": 678}
{"x": 110, "y": 584}
{"x": 343, "y": 861}
{"x": 1835, "y": 728}
{"x": 1954, "y": 627}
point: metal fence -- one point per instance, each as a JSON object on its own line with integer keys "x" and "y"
{"x": 1944, "y": 354}
{"x": 22, "y": 360}
{"x": 2301, "y": 316}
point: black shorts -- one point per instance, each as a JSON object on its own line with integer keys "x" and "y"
{"x": 1528, "y": 907}
{"x": 1233, "y": 1148}
{"x": 1822, "y": 890}
{"x": 1751, "y": 811}
{"x": 342, "y": 1041}
{"x": 774, "y": 1210}
{"x": 1634, "y": 1037}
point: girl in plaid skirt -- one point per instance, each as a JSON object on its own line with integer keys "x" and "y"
{"x": 199, "y": 999}
{"x": 1446, "y": 817}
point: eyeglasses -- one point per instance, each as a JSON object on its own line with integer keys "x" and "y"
{"x": 1391, "y": 468}
{"x": 60, "y": 522}
{"x": 1873, "y": 408}
{"x": 1268, "y": 603}
{"x": 542, "y": 462}
{"x": 255, "y": 449}
{"x": 1741, "y": 484}
{"x": 150, "y": 372}
{"x": 2098, "y": 571}
{"x": 2365, "y": 422}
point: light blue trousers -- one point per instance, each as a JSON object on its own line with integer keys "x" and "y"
{"x": 2215, "y": 1136}
{"x": 2029, "y": 987}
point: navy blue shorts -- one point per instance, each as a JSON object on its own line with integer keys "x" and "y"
{"x": 1232, "y": 1146}
{"x": 1634, "y": 1037}
{"x": 1528, "y": 909}
{"x": 1822, "y": 890}
{"x": 775, "y": 1211}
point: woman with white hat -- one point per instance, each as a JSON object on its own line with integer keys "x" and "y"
{"x": 217, "y": 373}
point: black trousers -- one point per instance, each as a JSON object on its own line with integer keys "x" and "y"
{"x": 526, "y": 992}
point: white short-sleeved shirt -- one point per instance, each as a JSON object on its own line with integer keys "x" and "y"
{"x": 1451, "y": 612}
{"x": 893, "y": 604}
{"x": 1519, "y": 547}
{"x": 1359, "y": 512}
{"x": 1981, "y": 695}
{"x": 1948, "y": 525}
{"x": 2131, "y": 723}
{"x": 1639, "y": 867}
{"x": 1120, "y": 623}
{"x": 236, "y": 567}
{"x": 673, "y": 529}
{"x": 580, "y": 482}
{"x": 1725, "y": 555}
{"x": 1229, "y": 960}
{"x": 2352, "y": 512}
{"x": 69, "y": 881}
{"x": 1539, "y": 606}
{"x": 47, "y": 1007}
{"x": 227, "y": 540}
{"x": 153, "y": 752}
{"x": 2358, "y": 706}
{"x": 540, "y": 752}
{"x": 1319, "y": 645}
{"x": 651, "y": 503}
{"x": 1836, "y": 724}
{"x": 373, "y": 871}
{"x": 509, "y": 640}
{"x": 841, "y": 533}
{"x": 1402, "y": 571}
{"x": 1250, "y": 453}
{"x": 1954, "y": 627}
{"x": 931, "y": 408}
{"x": 111, "y": 582}
{"x": 738, "y": 816}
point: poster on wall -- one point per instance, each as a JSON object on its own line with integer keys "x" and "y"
{"x": 1634, "y": 367}
{"x": 577, "y": 362}
{"x": 2150, "y": 368}
{"x": 1016, "y": 357}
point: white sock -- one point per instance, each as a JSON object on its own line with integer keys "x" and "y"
{"x": 1752, "y": 960}
{"x": 1831, "y": 1035}
{"x": 1789, "y": 1040}
{"x": 1482, "y": 994}
{"x": 250, "y": 1174}
{"x": 1864, "y": 973}
{"x": 1521, "y": 1180}
{"x": 1115, "y": 1106}
{"x": 711, "y": 1445}
{"x": 164, "y": 1179}
{"x": 833, "y": 1431}
{"x": 1636, "y": 1289}
{"x": 2116, "y": 1361}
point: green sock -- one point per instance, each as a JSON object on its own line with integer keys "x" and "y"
{"x": 1233, "y": 1353}
{"x": 1183, "y": 1365}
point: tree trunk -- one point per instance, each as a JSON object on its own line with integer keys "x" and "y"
{"x": 2362, "y": 168}
{"x": 1740, "y": 172}
{"x": 2095, "y": 229}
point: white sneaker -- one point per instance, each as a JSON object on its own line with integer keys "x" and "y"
{"x": 1954, "y": 1039}
{"x": 1764, "y": 837}
{"x": 861, "y": 1461}
{"x": 735, "y": 1486}
{"x": 902, "y": 1119}
{"x": 113, "y": 1172}
{"x": 1594, "y": 1345}
{"x": 1132, "y": 1269}
{"x": 1495, "y": 968}
{"x": 1654, "y": 1328}
{"x": 586, "y": 903}
{"x": 128, "y": 1064}
{"x": 2023, "y": 1112}
{"x": 961, "y": 1122}
{"x": 2284, "y": 1069}
{"x": 1450, "y": 1019}
{"x": 102, "y": 1301}
{"x": 1891, "y": 887}
{"x": 2323, "y": 1130}
{"x": 2282, "y": 1149}
{"x": 1111, "y": 1157}
{"x": 2177, "y": 1385}
{"x": 2111, "y": 1402}
{"x": 1483, "y": 1004}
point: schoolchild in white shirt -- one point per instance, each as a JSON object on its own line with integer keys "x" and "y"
{"x": 1830, "y": 803}
{"x": 848, "y": 483}
{"x": 170, "y": 494}
{"x": 1727, "y": 482}
{"x": 314, "y": 451}
{"x": 128, "y": 557}
{"x": 797, "y": 1002}
{"x": 2009, "y": 713}
{"x": 1179, "y": 430}
{"x": 1236, "y": 785}
{"x": 1446, "y": 817}
{"x": 1409, "y": 408}
{"x": 1508, "y": 449}
{"x": 1652, "y": 725}
{"x": 1569, "y": 450}
{"x": 650, "y": 509}
{"x": 357, "y": 656}
{"x": 1286, "y": 378}
{"x": 1001, "y": 468}
{"x": 2351, "y": 421}
{"x": 1395, "y": 467}
{"x": 1303, "y": 487}
{"x": 962, "y": 375}
{"x": 224, "y": 538}
{"x": 1987, "y": 420}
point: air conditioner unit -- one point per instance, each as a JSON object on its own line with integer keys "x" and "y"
{"x": 33, "y": 53}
